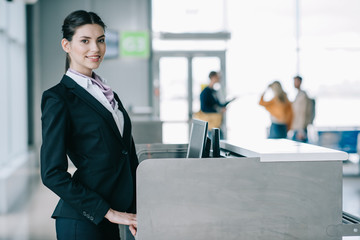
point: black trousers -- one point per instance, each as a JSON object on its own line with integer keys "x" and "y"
{"x": 74, "y": 229}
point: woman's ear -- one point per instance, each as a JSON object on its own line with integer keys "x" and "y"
{"x": 65, "y": 45}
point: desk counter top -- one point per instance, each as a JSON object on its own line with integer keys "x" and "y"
{"x": 283, "y": 150}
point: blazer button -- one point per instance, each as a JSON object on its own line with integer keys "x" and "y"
{"x": 124, "y": 152}
{"x": 92, "y": 218}
{"x": 84, "y": 213}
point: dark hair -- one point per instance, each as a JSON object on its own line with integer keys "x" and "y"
{"x": 212, "y": 74}
{"x": 77, "y": 19}
{"x": 298, "y": 77}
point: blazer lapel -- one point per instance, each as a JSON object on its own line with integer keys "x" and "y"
{"x": 127, "y": 122}
{"x": 92, "y": 102}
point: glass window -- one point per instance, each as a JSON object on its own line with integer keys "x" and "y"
{"x": 3, "y": 99}
{"x": 188, "y": 16}
{"x": 173, "y": 89}
{"x": 330, "y": 58}
{"x": 263, "y": 49}
{"x": 174, "y": 98}
{"x": 3, "y": 15}
{"x": 13, "y": 104}
{"x": 17, "y": 100}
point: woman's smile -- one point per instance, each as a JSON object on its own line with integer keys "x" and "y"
{"x": 94, "y": 58}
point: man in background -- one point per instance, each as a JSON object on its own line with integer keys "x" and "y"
{"x": 208, "y": 98}
{"x": 211, "y": 109}
{"x": 299, "y": 106}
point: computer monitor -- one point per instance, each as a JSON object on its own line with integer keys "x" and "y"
{"x": 198, "y": 137}
{"x": 206, "y": 152}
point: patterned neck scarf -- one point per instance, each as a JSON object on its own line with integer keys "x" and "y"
{"x": 95, "y": 79}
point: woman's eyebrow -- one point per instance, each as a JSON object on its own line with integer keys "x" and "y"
{"x": 90, "y": 37}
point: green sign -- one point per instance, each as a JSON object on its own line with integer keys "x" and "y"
{"x": 134, "y": 44}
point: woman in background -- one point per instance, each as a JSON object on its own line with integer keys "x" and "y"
{"x": 280, "y": 111}
{"x": 84, "y": 120}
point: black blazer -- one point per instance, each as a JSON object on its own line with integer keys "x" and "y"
{"x": 78, "y": 126}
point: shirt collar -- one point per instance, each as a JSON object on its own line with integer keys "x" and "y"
{"x": 83, "y": 80}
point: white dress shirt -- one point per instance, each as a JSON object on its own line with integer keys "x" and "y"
{"x": 96, "y": 92}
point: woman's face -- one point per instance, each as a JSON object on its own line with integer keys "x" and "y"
{"x": 86, "y": 49}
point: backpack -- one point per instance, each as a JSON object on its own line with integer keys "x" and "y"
{"x": 310, "y": 110}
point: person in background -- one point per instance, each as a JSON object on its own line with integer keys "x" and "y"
{"x": 84, "y": 121}
{"x": 209, "y": 102}
{"x": 280, "y": 111}
{"x": 211, "y": 109}
{"x": 299, "y": 124}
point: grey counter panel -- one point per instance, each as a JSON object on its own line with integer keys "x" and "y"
{"x": 146, "y": 131}
{"x": 237, "y": 198}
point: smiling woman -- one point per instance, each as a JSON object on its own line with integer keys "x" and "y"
{"x": 87, "y": 48}
{"x": 84, "y": 120}
{"x": 84, "y": 44}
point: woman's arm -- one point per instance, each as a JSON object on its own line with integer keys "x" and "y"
{"x": 264, "y": 103}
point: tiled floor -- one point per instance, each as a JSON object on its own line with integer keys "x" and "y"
{"x": 31, "y": 220}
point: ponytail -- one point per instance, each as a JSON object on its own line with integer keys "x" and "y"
{"x": 67, "y": 62}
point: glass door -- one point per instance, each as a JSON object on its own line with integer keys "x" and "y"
{"x": 178, "y": 79}
{"x": 173, "y": 93}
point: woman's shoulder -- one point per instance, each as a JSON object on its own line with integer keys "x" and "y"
{"x": 58, "y": 91}
{"x": 53, "y": 98}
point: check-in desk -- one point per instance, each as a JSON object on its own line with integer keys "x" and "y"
{"x": 146, "y": 129}
{"x": 270, "y": 189}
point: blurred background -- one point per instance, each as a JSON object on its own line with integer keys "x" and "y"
{"x": 159, "y": 55}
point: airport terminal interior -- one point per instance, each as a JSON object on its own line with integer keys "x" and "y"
{"x": 159, "y": 54}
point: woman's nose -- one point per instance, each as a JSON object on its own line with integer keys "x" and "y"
{"x": 94, "y": 47}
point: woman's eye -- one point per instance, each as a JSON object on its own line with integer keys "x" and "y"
{"x": 102, "y": 40}
{"x": 84, "y": 41}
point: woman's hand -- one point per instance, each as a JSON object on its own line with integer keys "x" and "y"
{"x": 123, "y": 218}
{"x": 133, "y": 229}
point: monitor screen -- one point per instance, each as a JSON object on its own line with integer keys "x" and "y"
{"x": 198, "y": 137}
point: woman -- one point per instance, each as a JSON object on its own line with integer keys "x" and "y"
{"x": 84, "y": 120}
{"x": 280, "y": 111}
